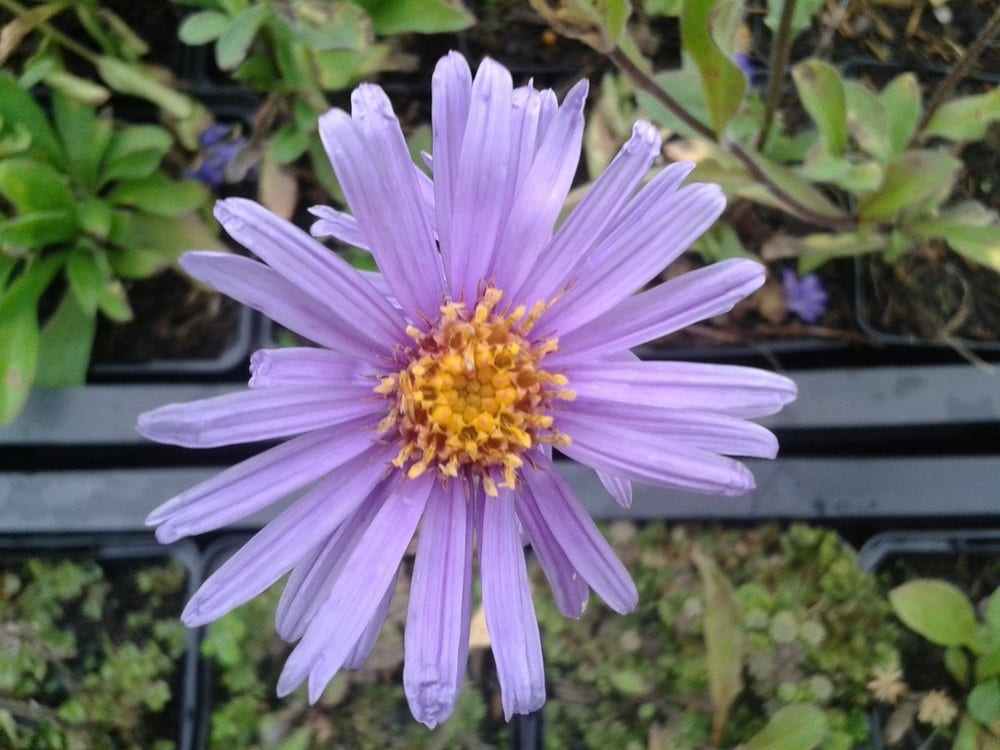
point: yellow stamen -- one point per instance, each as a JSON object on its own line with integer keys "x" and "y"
{"x": 472, "y": 395}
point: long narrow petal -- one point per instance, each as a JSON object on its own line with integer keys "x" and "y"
{"x": 277, "y": 547}
{"x": 342, "y": 227}
{"x": 723, "y": 389}
{"x": 259, "y": 481}
{"x": 597, "y": 211}
{"x": 569, "y": 590}
{"x": 542, "y": 195}
{"x": 313, "y": 576}
{"x": 437, "y": 621}
{"x": 719, "y": 433}
{"x": 620, "y": 489}
{"x": 580, "y": 539}
{"x": 510, "y": 614}
{"x": 632, "y": 257}
{"x": 369, "y": 636}
{"x": 249, "y": 416}
{"x": 303, "y": 365}
{"x": 481, "y": 183}
{"x": 527, "y": 105}
{"x": 349, "y": 607}
{"x": 262, "y": 288}
{"x": 451, "y": 88}
{"x": 400, "y": 239}
{"x": 672, "y": 305}
{"x": 311, "y": 266}
{"x": 643, "y": 458}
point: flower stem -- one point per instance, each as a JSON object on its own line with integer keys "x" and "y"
{"x": 780, "y": 52}
{"x": 53, "y": 33}
{"x": 957, "y": 73}
{"x": 647, "y": 84}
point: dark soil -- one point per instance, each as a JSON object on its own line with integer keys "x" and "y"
{"x": 173, "y": 320}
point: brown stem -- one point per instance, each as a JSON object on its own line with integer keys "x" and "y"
{"x": 957, "y": 73}
{"x": 647, "y": 84}
{"x": 53, "y": 33}
{"x": 780, "y": 52}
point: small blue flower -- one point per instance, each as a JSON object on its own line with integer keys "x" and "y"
{"x": 805, "y": 297}
{"x": 219, "y": 147}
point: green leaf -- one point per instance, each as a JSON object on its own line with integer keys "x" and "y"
{"x": 35, "y": 186}
{"x": 867, "y": 120}
{"x": 64, "y": 345}
{"x": 984, "y": 702}
{"x": 988, "y": 664}
{"x": 821, "y": 247}
{"x": 965, "y": 737}
{"x": 289, "y": 143}
{"x": 980, "y": 244}
{"x": 84, "y": 136}
{"x": 957, "y": 663}
{"x": 80, "y": 89}
{"x": 596, "y": 23}
{"x": 723, "y": 639}
{"x": 16, "y": 140}
{"x": 822, "y": 94}
{"x": 937, "y": 610}
{"x": 966, "y": 118}
{"x": 801, "y": 15}
{"x": 31, "y": 284}
{"x": 86, "y": 278}
{"x": 113, "y": 302}
{"x": 992, "y": 613}
{"x": 233, "y": 43}
{"x": 685, "y": 87}
{"x": 910, "y": 181}
{"x": 327, "y": 26}
{"x": 95, "y": 217}
{"x": 151, "y": 243}
{"x": 17, "y": 105}
{"x": 132, "y": 79}
{"x": 202, "y": 27}
{"x": 157, "y": 194}
{"x": 901, "y": 101}
{"x": 18, "y": 360}
{"x": 423, "y": 16}
{"x": 38, "y": 229}
{"x": 135, "y": 152}
{"x": 799, "y": 726}
{"x": 629, "y": 683}
{"x": 801, "y": 190}
{"x": 15, "y": 30}
{"x": 722, "y": 81}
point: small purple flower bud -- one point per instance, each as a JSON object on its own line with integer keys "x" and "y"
{"x": 804, "y": 296}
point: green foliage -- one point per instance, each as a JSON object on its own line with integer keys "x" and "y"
{"x": 298, "y": 53}
{"x": 810, "y": 623}
{"x": 365, "y": 709}
{"x": 83, "y": 666}
{"x": 82, "y": 206}
{"x": 942, "y": 613}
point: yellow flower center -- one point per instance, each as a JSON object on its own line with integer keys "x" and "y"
{"x": 472, "y": 395}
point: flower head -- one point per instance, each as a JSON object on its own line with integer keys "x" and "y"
{"x": 936, "y": 709}
{"x": 887, "y": 684}
{"x": 804, "y": 296}
{"x": 219, "y": 147}
{"x": 439, "y": 386}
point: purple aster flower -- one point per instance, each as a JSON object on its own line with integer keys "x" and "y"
{"x": 439, "y": 387}
{"x": 804, "y": 296}
{"x": 218, "y": 149}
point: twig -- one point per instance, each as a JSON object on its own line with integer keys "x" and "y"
{"x": 643, "y": 81}
{"x": 53, "y": 33}
{"x": 957, "y": 73}
{"x": 780, "y": 51}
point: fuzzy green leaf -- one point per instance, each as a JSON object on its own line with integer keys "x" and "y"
{"x": 17, "y": 105}
{"x": 86, "y": 278}
{"x": 722, "y": 81}
{"x": 233, "y": 43}
{"x": 980, "y": 244}
{"x": 867, "y": 120}
{"x": 35, "y": 186}
{"x": 821, "y": 247}
{"x": 18, "y": 360}
{"x": 113, "y": 302}
{"x": 64, "y": 345}
{"x": 38, "y": 229}
{"x": 135, "y": 152}
{"x": 901, "y": 101}
{"x": 332, "y": 26}
{"x": 159, "y": 195}
{"x": 801, "y": 15}
{"x": 937, "y": 610}
{"x": 799, "y": 726}
{"x": 984, "y": 702}
{"x": 910, "y": 181}
{"x": 80, "y": 89}
{"x": 132, "y": 79}
{"x": 84, "y": 136}
{"x": 202, "y": 27}
{"x": 822, "y": 94}
{"x": 966, "y": 118}
{"x": 992, "y": 614}
{"x": 151, "y": 243}
{"x": 723, "y": 639}
{"x": 422, "y": 16}
{"x": 289, "y": 143}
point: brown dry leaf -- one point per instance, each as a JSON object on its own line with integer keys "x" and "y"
{"x": 278, "y": 189}
{"x": 780, "y": 246}
{"x": 479, "y": 636}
